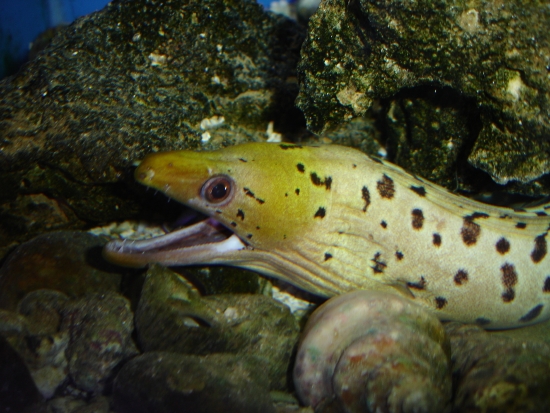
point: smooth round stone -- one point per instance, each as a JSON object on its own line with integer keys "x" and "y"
{"x": 66, "y": 261}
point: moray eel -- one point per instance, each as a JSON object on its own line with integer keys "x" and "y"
{"x": 330, "y": 219}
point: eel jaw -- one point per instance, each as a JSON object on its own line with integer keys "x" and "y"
{"x": 205, "y": 242}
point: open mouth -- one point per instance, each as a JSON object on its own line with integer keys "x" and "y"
{"x": 199, "y": 243}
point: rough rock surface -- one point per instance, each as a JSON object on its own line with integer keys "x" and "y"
{"x": 100, "y": 330}
{"x": 170, "y": 317}
{"x": 500, "y": 371}
{"x": 68, "y": 351}
{"x": 496, "y": 55}
{"x": 446, "y": 81}
{"x": 154, "y": 382}
{"x": 430, "y": 135}
{"x": 17, "y": 388}
{"x": 137, "y": 77}
{"x": 43, "y": 344}
{"x": 80, "y": 345}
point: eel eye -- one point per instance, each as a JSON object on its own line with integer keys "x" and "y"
{"x": 218, "y": 189}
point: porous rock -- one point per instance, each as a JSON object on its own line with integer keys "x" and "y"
{"x": 171, "y": 317}
{"x": 99, "y": 327}
{"x": 136, "y": 77}
{"x": 167, "y": 382}
{"x": 17, "y": 389}
{"x": 500, "y": 372}
{"x": 489, "y": 57}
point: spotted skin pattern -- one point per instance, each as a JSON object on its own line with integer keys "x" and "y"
{"x": 330, "y": 219}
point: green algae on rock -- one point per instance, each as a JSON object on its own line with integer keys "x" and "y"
{"x": 42, "y": 310}
{"x": 100, "y": 328}
{"x": 223, "y": 280}
{"x": 500, "y": 371}
{"x": 495, "y": 54}
{"x": 171, "y": 383}
{"x": 428, "y": 135}
{"x": 172, "y": 317}
{"x": 71, "y": 345}
{"x": 135, "y": 77}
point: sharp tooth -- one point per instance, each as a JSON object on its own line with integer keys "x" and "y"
{"x": 233, "y": 243}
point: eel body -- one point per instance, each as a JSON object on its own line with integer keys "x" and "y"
{"x": 330, "y": 219}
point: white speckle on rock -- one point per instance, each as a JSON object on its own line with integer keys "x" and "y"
{"x": 272, "y": 136}
{"x": 515, "y": 85}
{"x": 212, "y": 123}
{"x": 290, "y": 296}
{"x": 231, "y": 314}
{"x": 469, "y": 21}
{"x": 350, "y": 96}
{"x": 157, "y": 59}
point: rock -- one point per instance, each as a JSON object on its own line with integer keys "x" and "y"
{"x": 13, "y": 324}
{"x": 80, "y": 344}
{"x": 17, "y": 389}
{"x": 100, "y": 328}
{"x": 45, "y": 357}
{"x": 428, "y": 134}
{"x": 74, "y": 405}
{"x": 164, "y": 382}
{"x": 489, "y": 60}
{"x": 135, "y": 77}
{"x": 39, "y": 342}
{"x": 171, "y": 317}
{"x": 500, "y": 372}
{"x": 67, "y": 261}
{"x": 42, "y": 309}
{"x": 221, "y": 280}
